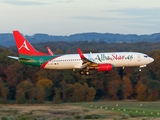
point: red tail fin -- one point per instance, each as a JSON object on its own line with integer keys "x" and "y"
{"x": 24, "y": 47}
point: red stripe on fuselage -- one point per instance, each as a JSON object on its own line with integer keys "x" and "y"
{"x": 44, "y": 64}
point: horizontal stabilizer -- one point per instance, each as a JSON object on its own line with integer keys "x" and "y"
{"x": 13, "y": 57}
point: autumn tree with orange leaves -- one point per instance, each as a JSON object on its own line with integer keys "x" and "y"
{"x": 45, "y": 85}
{"x": 57, "y": 98}
{"x": 113, "y": 88}
{"x": 79, "y": 92}
{"x": 91, "y": 92}
{"x": 141, "y": 91}
{"x": 23, "y": 91}
{"x": 127, "y": 87}
{"x": 24, "y": 84}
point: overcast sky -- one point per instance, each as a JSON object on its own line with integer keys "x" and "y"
{"x": 66, "y": 17}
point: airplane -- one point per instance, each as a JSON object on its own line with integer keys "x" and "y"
{"x": 84, "y": 62}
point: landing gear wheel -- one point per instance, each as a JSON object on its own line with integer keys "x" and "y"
{"x": 82, "y": 72}
{"x": 87, "y": 72}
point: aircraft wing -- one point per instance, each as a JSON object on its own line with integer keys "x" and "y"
{"x": 86, "y": 62}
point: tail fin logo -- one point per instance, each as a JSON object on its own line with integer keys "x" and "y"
{"x": 24, "y": 45}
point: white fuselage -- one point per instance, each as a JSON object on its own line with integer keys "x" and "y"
{"x": 117, "y": 59}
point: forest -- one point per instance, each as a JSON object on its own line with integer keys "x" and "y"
{"x": 24, "y": 84}
{"x": 7, "y": 39}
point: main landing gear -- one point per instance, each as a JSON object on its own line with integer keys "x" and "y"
{"x": 86, "y": 72}
{"x": 82, "y": 72}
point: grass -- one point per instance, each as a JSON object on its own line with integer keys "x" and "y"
{"x": 85, "y": 110}
{"x": 150, "y": 109}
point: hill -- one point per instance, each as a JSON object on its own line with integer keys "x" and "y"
{"x": 7, "y": 39}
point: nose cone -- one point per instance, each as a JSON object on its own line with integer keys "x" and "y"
{"x": 151, "y": 60}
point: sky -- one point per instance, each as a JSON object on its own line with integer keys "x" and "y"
{"x": 67, "y": 17}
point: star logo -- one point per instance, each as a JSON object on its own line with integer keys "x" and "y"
{"x": 24, "y": 45}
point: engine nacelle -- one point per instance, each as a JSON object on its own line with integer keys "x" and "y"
{"x": 105, "y": 67}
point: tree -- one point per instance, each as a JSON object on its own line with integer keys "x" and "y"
{"x": 70, "y": 93}
{"x": 90, "y": 94}
{"x": 57, "y": 98}
{"x": 113, "y": 88}
{"x": 127, "y": 87}
{"x": 153, "y": 90}
{"x": 14, "y": 75}
{"x": 58, "y": 51}
{"x": 79, "y": 92}
{"x": 97, "y": 82}
{"x": 41, "y": 74}
{"x": 3, "y": 91}
{"x": 46, "y": 85}
{"x": 40, "y": 94}
{"x": 20, "y": 96}
{"x": 64, "y": 90}
{"x": 23, "y": 90}
{"x": 110, "y": 77}
{"x": 141, "y": 91}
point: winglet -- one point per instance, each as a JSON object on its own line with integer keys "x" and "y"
{"x": 50, "y": 51}
{"x": 80, "y": 54}
{"x": 86, "y": 62}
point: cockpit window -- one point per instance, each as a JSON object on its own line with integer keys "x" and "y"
{"x": 145, "y": 56}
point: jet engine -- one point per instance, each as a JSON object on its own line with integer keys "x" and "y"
{"x": 105, "y": 67}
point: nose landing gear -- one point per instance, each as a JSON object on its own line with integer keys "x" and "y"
{"x": 141, "y": 67}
